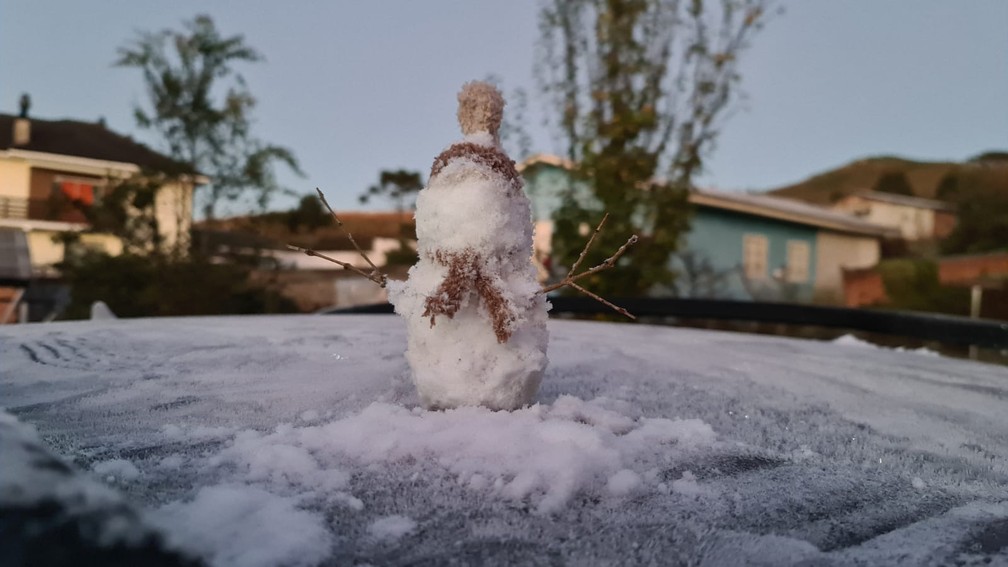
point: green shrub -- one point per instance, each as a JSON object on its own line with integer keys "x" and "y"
{"x": 912, "y": 284}
{"x": 158, "y": 285}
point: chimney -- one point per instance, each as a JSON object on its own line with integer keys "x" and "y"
{"x": 22, "y": 126}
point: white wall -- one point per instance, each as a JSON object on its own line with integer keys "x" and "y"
{"x": 173, "y": 210}
{"x": 914, "y": 223}
{"x": 15, "y": 178}
{"x": 835, "y": 251}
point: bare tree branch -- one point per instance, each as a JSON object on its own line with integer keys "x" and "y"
{"x": 612, "y": 306}
{"x": 605, "y": 265}
{"x": 376, "y": 275}
{"x": 584, "y": 251}
{"x": 608, "y": 263}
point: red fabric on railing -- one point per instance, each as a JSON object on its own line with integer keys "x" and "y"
{"x": 77, "y": 191}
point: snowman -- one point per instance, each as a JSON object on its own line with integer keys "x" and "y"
{"x": 474, "y": 311}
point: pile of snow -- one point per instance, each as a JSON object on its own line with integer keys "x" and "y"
{"x": 545, "y": 453}
{"x": 100, "y": 311}
{"x": 851, "y": 340}
{"x": 391, "y": 528}
{"x": 243, "y": 526}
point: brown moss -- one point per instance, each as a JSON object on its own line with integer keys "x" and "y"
{"x": 465, "y": 275}
{"x": 492, "y": 158}
{"x": 481, "y": 108}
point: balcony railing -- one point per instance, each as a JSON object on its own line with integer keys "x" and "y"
{"x": 13, "y": 208}
{"x": 48, "y": 209}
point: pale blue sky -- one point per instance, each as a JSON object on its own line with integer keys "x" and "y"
{"x": 356, "y": 87}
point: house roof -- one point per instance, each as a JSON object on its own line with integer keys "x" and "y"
{"x": 905, "y": 200}
{"x": 759, "y": 205}
{"x": 790, "y": 211}
{"x": 86, "y": 140}
{"x": 544, "y": 159}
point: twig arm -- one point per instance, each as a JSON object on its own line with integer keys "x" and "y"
{"x": 605, "y": 265}
{"x": 608, "y": 263}
{"x": 374, "y": 269}
{"x": 376, "y": 278}
{"x": 612, "y": 306}
{"x": 584, "y": 251}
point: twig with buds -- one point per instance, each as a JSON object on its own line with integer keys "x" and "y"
{"x": 375, "y": 275}
{"x": 605, "y": 265}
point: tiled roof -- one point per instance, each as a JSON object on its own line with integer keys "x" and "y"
{"x": 759, "y": 205}
{"x": 86, "y": 140}
{"x": 906, "y": 200}
{"x": 791, "y": 211}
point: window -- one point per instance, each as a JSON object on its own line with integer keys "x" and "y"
{"x": 797, "y": 261}
{"x": 78, "y": 189}
{"x": 754, "y": 256}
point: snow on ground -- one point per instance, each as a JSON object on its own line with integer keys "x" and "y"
{"x": 298, "y": 440}
{"x": 851, "y": 340}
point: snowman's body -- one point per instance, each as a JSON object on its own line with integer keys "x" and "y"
{"x": 476, "y": 322}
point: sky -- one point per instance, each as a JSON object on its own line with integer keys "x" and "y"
{"x": 357, "y": 87}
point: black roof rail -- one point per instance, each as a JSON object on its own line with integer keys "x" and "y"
{"x": 925, "y": 326}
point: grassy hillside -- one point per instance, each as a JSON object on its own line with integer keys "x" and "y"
{"x": 989, "y": 169}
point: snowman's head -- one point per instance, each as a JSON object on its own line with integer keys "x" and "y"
{"x": 480, "y": 109}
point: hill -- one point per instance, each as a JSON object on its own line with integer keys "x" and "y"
{"x": 926, "y": 179}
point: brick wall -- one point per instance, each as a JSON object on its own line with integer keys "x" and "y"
{"x": 967, "y": 270}
{"x": 863, "y": 287}
{"x": 944, "y": 223}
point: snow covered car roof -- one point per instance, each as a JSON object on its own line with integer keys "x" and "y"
{"x": 297, "y": 440}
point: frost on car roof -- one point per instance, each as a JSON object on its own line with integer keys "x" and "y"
{"x": 298, "y": 440}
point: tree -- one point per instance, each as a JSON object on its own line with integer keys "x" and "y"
{"x": 982, "y": 224}
{"x": 309, "y": 214}
{"x": 157, "y": 285}
{"x": 638, "y": 90}
{"x": 894, "y": 182}
{"x": 202, "y": 109}
{"x": 948, "y": 187}
{"x": 399, "y": 186}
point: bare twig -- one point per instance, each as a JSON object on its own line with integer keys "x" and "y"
{"x": 615, "y": 308}
{"x": 584, "y": 251}
{"x": 379, "y": 277}
{"x": 608, "y": 263}
{"x": 605, "y": 265}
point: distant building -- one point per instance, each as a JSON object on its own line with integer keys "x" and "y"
{"x": 988, "y": 271}
{"x": 742, "y": 246}
{"x": 917, "y": 218}
{"x": 313, "y": 282}
{"x": 50, "y": 170}
{"x": 778, "y": 249}
{"x": 46, "y": 166}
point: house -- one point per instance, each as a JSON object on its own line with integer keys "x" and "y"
{"x": 47, "y": 163}
{"x": 52, "y": 170}
{"x": 741, "y": 246}
{"x": 772, "y": 248}
{"x": 918, "y": 219}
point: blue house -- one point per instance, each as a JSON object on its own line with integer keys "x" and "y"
{"x": 740, "y": 246}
